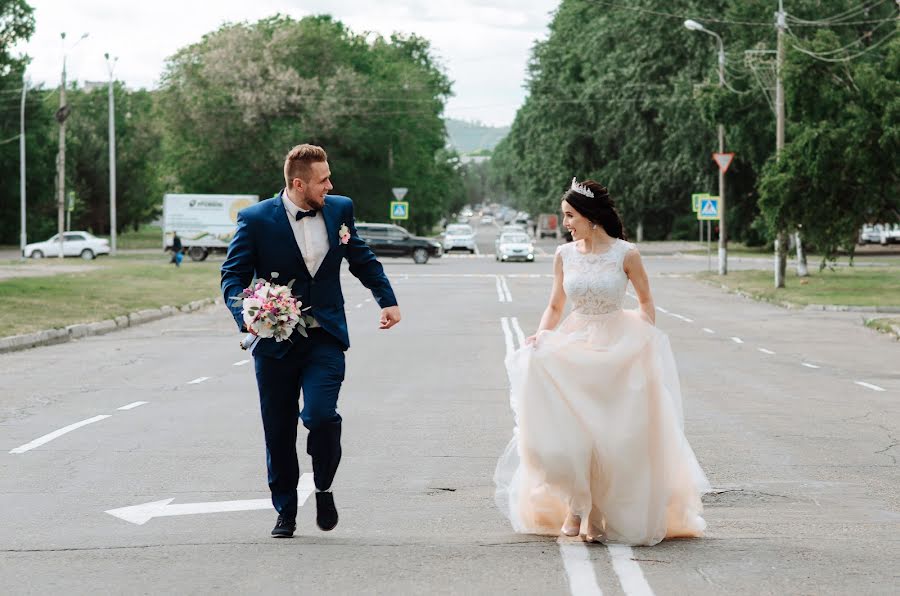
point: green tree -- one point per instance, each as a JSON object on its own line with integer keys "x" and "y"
{"x": 235, "y": 102}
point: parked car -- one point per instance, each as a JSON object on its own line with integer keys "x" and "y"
{"x": 388, "y": 240}
{"x": 459, "y": 237}
{"x": 515, "y": 246}
{"x": 487, "y": 219}
{"x": 879, "y": 234}
{"x": 75, "y": 244}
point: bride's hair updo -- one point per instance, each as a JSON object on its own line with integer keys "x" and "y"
{"x": 599, "y": 209}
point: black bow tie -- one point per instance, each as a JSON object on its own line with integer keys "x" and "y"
{"x": 301, "y": 214}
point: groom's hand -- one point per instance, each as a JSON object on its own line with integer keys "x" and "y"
{"x": 390, "y": 316}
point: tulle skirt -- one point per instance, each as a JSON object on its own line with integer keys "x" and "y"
{"x": 600, "y": 431}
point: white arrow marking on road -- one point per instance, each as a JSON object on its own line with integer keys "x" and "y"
{"x": 198, "y": 380}
{"x": 141, "y": 514}
{"x": 870, "y": 386}
{"x": 56, "y": 434}
{"x": 136, "y": 404}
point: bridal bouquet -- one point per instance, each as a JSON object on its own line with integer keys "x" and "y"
{"x": 271, "y": 311}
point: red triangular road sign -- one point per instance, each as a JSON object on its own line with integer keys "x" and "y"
{"x": 724, "y": 160}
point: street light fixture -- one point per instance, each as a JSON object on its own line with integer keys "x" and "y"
{"x": 723, "y": 238}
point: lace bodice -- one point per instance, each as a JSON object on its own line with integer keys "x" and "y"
{"x": 595, "y": 283}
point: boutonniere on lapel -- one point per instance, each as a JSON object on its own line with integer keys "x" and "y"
{"x": 344, "y": 234}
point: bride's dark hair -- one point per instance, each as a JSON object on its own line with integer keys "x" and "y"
{"x": 599, "y": 209}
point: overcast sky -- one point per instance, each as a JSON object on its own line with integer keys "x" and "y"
{"x": 484, "y": 45}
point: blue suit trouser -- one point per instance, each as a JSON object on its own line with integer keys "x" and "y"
{"x": 315, "y": 367}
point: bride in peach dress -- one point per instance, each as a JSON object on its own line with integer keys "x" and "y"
{"x": 599, "y": 447}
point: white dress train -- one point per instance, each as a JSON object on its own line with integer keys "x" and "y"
{"x": 599, "y": 425}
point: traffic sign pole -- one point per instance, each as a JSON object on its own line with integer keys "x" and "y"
{"x": 724, "y": 161}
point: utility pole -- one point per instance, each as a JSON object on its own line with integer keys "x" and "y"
{"x": 23, "y": 236}
{"x": 112, "y": 157}
{"x": 781, "y": 237}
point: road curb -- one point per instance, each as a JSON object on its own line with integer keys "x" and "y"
{"x": 49, "y": 337}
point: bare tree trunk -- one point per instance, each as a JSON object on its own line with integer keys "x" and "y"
{"x": 802, "y": 269}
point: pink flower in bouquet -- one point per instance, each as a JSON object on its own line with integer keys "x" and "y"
{"x": 344, "y": 234}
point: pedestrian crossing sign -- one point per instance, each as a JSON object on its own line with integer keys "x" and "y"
{"x": 695, "y": 200}
{"x": 399, "y": 209}
{"x": 709, "y": 208}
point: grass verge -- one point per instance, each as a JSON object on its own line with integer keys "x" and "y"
{"x": 115, "y": 287}
{"x": 845, "y": 286}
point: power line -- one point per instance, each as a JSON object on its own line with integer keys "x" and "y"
{"x": 865, "y": 37}
{"x": 845, "y": 58}
{"x": 685, "y": 17}
{"x": 843, "y": 16}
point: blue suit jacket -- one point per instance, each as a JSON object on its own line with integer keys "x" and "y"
{"x": 264, "y": 243}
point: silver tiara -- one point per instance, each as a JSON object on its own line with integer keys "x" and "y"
{"x": 582, "y": 189}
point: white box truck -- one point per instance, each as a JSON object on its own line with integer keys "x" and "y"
{"x": 204, "y": 223}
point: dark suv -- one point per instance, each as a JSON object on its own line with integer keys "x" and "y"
{"x": 387, "y": 240}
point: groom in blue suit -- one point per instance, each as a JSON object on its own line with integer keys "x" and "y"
{"x": 303, "y": 234}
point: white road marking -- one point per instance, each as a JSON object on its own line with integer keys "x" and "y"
{"x": 501, "y": 297}
{"x": 507, "y": 336}
{"x": 765, "y": 351}
{"x": 141, "y": 514}
{"x": 662, "y": 310}
{"x": 519, "y": 334}
{"x": 56, "y": 434}
{"x": 134, "y": 405}
{"x": 737, "y": 340}
{"x": 808, "y": 365}
{"x": 870, "y": 386}
{"x": 708, "y": 330}
{"x": 240, "y": 363}
{"x": 683, "y": 318}
{"x": 368, "y": 300}
{"x": 360, "y": 305}
{"x": 579, "y": 568}
{"x": 629, "y": 571}
{"x": 506, "y": 291}
{"x": 198, "y": 380}
{"x": 477, "y": 252}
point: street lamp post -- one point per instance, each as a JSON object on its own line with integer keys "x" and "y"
{"x": 112, "y": 157}
{"x": 723, "y": 237}
{"x": 23, "y": 236}
{"x": 61, "y": 115}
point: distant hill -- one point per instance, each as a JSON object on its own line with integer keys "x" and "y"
{"x": 469, "y": 137}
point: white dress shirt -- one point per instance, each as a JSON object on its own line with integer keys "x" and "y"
{"x": 310, "y": 234}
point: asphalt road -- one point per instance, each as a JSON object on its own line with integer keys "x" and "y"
{"x": 793, "y": 415}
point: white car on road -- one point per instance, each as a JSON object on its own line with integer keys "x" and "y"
{"x": 75, "y": 244}
{"x": 515, "y": 246}
{"x": 459, "y": 236}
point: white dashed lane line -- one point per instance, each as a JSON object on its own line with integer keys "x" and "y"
{"x": 56, "y": 434}
{"x": 134, "y": 405}
{"x": 765, "y": 351}
{"x": 198, "y": 380}
{"x": 240, "y": 363}
{"x": 737, "y": 340}
{"x": 870, "y": 386}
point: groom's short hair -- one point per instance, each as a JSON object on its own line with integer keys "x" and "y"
{"x": 298, "y": 160}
